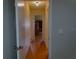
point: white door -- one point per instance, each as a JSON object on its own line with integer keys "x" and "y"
{"x": 22, "y": 31}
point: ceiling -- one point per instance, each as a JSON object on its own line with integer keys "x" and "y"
{"x": 41, "y": 5}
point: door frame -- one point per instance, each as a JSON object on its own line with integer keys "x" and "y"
{"x": 17, "y": 29}
{"x": 49, "y": 28}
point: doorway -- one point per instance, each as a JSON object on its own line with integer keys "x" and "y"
{"x": 32, "y": 29}
{"x": 38, "y": 29}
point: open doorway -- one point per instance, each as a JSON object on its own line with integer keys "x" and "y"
{"x": 32, "y": 29}
{"x": 38, "y": 29}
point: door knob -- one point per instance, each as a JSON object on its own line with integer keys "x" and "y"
{"x": 18, "y": 48}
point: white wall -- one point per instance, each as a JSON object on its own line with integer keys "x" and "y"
{"x": 62, "y": 26}
{"x": 9, "y": 34}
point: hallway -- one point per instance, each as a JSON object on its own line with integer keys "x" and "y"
{"x": 33, "y": 29}
{"x": 38, "y": 48}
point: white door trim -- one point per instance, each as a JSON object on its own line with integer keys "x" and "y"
{"x": 17, "y": 29}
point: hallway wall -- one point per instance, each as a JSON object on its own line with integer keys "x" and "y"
{"x": 62, "y": 24}
{"x": 46, "y": 22}
{"x": 27, "y": 26}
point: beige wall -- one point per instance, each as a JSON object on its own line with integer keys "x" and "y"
{"x": 27, "y": 20}
{"x": 46, "y": 24}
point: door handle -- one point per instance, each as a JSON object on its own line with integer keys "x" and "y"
{"x": 18, "y": 48}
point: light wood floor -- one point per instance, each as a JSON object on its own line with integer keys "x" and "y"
{"x": 37, "y": 50}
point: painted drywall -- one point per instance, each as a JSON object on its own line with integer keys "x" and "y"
{"x": 62, "y": 29}
{"x": 46, "y": 22}
{"x": 9, "y": 34}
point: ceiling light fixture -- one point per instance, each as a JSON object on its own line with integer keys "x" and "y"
{"x": 20, "y": 4}
{"x": 37, "y": 3}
